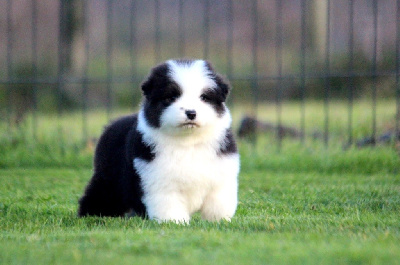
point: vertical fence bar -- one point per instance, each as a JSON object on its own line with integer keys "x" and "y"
{"x": 327, "y": 74}
{"x": 133, "y": 46}
{"x": 229, "y": 40}
{"x": 374, "y": 69}
{"x": 303, "y": 70}
{"x": 206, "y": 32}
{"x": 350, "y": 83}
{"x": 254, "y": 79}
{"x": 278, "y": 61}
{"x": 229, "y": 43}
{"x": 86, "y": 37}
{"x": 109, "y": 58}
{"x": 181, "y": 28}
{"x": 61, "y": 64}
{"x": 157, "y": 37}
{"x": 397, "y": 130}
{"x": 34, "y": 68}
{"x": 9, "y": 62}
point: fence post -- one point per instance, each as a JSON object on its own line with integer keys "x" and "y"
{"x": 374, "y": 69}
{"x": 34, "y": 68}
{"x": 350, "y": 85}
{"x": 327, "y": 72}
{"x": 254, "y": 79}
{"x": 303, "y": 69}
{"x": 279, "y": 62}
{"x": 397, "y": 70}
{"x": 9, "y": 63}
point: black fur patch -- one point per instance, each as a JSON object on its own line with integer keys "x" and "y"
{"x": 158, "y": 78}
{"x": 216, "y": 99}
{"x": 222, "y": 84}
{"x": 217, "y": 96}
{"x": 228, "y": 145}
{"x": 137, "y": 148}
{"x": 160, "y": 92}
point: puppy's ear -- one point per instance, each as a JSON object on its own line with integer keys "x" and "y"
{"x": 158, "y": 78}
{"x": 223, "y": 86}
{"x": 221, "y": 82}
{"x": 147, "y": 86}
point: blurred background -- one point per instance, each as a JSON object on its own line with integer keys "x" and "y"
{"x": 322, "y": 70}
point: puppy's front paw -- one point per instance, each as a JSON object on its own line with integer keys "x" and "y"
{"x": 219, "y": 206}
{"x": 177, "y": 220}
{"x": 167, "y": 210}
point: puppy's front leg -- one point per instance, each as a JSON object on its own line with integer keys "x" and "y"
{"x": 167, "y": 207}
{"x": 220, "y": 204}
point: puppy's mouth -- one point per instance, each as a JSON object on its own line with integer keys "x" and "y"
{"x": 188, "y": 125}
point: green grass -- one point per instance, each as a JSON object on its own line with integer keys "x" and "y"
{"x": 295, "y": 208}
{"x": 301, "y": 204}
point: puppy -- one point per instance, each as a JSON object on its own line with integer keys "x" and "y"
{"x": 177, "y": 156}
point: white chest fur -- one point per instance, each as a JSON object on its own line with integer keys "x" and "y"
{"x": 183, "y": 179}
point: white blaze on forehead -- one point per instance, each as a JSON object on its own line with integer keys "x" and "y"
{"x": 192, "y": 75}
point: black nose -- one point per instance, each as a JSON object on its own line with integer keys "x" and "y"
{"x": 191, "y": 114}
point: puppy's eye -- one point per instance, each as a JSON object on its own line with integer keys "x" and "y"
{"x": 169, "y": 100}
{"x": 205, "y": 98}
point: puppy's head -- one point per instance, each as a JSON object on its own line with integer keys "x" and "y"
{"x": 184, "y": 96}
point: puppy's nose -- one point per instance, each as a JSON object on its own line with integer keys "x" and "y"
{"x": 191, "y": 114}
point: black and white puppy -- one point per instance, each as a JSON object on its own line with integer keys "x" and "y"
{"x": 177, "y": 156}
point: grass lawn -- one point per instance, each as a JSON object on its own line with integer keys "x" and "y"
{"x": 296, "y": 207}
{"x": 303, "y": 204}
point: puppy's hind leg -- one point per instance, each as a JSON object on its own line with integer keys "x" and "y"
{"x": 101, "y": 198}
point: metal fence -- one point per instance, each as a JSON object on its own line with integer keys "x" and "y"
{"x": 78, "y": 56}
